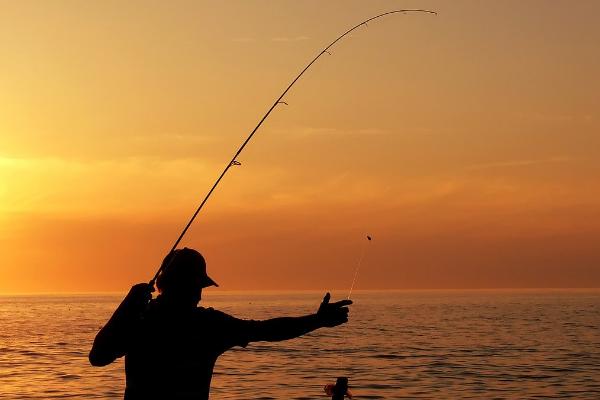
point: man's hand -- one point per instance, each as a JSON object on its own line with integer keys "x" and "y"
{"x": 333, "y": 314}
{"x": 133, "y": 304}
{"x": 138, "y": 297}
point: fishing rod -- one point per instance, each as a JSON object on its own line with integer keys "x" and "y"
{"x": 234, "y": 162}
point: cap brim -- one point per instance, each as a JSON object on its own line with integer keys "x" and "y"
{"x": 209, "y": 282}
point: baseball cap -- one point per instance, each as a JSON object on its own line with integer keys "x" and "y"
{"x": 183, "y": 266}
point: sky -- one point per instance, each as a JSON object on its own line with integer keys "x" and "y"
{"x": 465, "y": 143}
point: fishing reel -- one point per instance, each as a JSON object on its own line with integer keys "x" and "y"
{"x": 339, "y": 390}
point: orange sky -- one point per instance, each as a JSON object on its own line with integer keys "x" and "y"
{"x": 466, "y": 144}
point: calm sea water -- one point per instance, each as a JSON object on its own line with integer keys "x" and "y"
{"x": 431, "y": 344}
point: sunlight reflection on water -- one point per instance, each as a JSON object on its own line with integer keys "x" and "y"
{"x": 426, "y": 344}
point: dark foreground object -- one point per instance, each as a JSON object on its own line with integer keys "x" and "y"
{"x": 340, "y": 389}
{"x": 171, "y": 345}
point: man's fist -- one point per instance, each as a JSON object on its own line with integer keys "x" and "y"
{"x": 333, "y": 314}
{"x": 136, "y": 300}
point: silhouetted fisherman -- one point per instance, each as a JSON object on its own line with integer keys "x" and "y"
{"x": 171, "y": 345}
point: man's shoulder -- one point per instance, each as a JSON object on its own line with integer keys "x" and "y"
{"x": 212, "y": 314}
{"x": 208, "y": 311}
{"x": 229, "y": 330}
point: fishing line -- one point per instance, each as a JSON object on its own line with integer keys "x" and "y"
{"x": 279, "y": 100}
{"x": 360, "y": 260}
{"x": 330, "y": 387}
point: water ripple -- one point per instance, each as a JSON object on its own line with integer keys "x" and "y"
{"x": 399, "y": 345}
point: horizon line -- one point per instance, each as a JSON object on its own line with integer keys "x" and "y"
{"x": 333, "y": 291}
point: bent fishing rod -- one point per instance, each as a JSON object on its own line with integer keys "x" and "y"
{"x": 234, "y": 162}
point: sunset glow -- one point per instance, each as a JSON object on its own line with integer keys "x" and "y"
{"x": 465, "y": 143}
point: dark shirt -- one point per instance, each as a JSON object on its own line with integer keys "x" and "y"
{"x": 171, "y": 353}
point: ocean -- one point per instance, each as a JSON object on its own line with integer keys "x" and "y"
{"x": 501, "y": 344}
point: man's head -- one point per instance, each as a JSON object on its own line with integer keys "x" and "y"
{"x": 183, "y": 276}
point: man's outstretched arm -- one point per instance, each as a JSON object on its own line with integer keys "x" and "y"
{"x": 284, "y": 328}
{"x": 110, "y": 342}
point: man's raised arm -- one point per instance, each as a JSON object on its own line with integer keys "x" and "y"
{"x": 110, "y": 342}
{"x": 284, "y": 328}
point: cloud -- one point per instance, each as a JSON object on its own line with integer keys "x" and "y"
{"x": 306, "y": 131}
{"x": 517, "y": 163}
{"x": 53, "y": 184}
{"x": 289, "y": 39}
{"x": 281, "y": 39}
{"x": 243, "y": 39}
